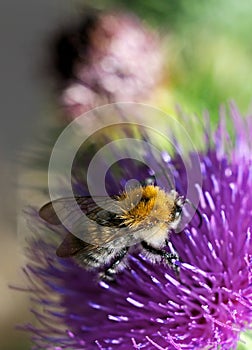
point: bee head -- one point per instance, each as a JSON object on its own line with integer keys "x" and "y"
{"x": 179, "y": 202}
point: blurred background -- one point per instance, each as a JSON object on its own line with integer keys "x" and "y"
{"x": 206, "y": 52}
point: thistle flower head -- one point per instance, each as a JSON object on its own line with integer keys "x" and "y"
{"x": 109, "y": 58}
{"x": 148, "y": 307}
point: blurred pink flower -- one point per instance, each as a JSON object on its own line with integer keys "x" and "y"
{"x": 109, "y": 58}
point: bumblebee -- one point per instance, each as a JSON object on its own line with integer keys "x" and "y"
{"x": 144, "y": 218}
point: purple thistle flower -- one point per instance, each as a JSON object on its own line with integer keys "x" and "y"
{"x": 148, "y": 307}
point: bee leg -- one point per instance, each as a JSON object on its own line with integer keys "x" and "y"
{"x": 109, "y": 273}
{"x": 170, "y": 258}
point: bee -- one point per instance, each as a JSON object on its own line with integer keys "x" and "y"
{"x": 145, "y": 217}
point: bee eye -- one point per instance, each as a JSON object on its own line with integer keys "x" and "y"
{"x": 178, "y": 210}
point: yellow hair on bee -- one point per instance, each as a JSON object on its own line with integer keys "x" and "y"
{"x": 147, "y": 206}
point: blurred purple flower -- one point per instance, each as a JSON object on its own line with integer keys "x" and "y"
{"x": 148, "y": 307}
{"x": 111, "y": 57}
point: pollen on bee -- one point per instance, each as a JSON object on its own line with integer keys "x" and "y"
{"x": 147, "y": 205}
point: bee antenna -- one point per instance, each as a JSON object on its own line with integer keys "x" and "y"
{"x": 196, "y": 210}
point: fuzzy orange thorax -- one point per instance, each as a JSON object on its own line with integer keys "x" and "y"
{"x": 145, "y": 206}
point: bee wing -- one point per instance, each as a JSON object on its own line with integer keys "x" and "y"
{"x": 97, "y": 226}
{"x": 66, "y": 207}
{"x": 71, "y": 245}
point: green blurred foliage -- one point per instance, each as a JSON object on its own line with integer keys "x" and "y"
{"x": 246, "y": 341}
{"x": 208, "y": 46}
